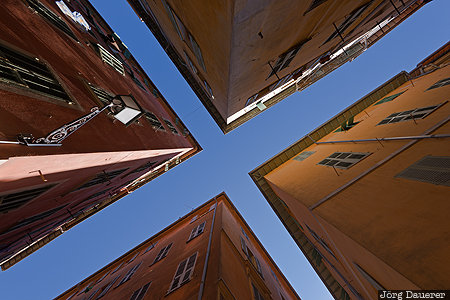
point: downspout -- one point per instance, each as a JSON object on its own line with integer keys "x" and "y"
{"x": 399, "y": 138}
{"x": 202, "y": 284}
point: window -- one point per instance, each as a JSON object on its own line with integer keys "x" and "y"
{"x": 257, "y": 295}
{"x": 389, "y": 98}
{"x": 369, "y": 278}
{"x": 176, "y": 22}
{"x": 35, "y": 218}
{"x": 153, "y": 120}
{"x": 71, "y": 296}
{"x": 281, "y": 82}
{"x": 190, "y": 63}
{"x": 162, "y": 253}
{"x": 136, "y": 80}
{"x": 343, "y": 160}
{"x": 344, "y": 295}
{"x": 320, "y": 241}
{"x": 274, "y": 276}
{"x": 51, "y": 17}
{"x": 151, "y": 247}
{"x": 17, "y": 199}
{"x": 183, "y": 273}
{"x": 103, "y": 277}
{"x": 348, "y": 21}
{"x": 244, "y": 233}
{"x": 304, "y": 155}
{"x": 197, "y": 51}
{"x": 418, "y": 113}
{"x": 95, "y": 195}
{"x": 347, "y": 125}
{"x": 430, "y": 169}
{"x": 253, "y": 260}
{"x": 91, "y": 296}
{"x": 117, "y": 269}
{"x": 208, "y": 89}
{"x": 140, "y": 293}
{"x": 285, "y": 59}
{"x": 101, "y": 178}
{"x": 30, "y": 73}
{"x": 111, "y": 60}
{"x": 106, "y": 288}
{"x": 317, "y": 257}
{"x": 86, "y": 289}
{"x": 439, "y": 84}
{"x": 171, "y": 127}
{"x": 251, "y": 99}
{"x": 132, "y": 259}
{"x": 314, "y": 4}
{"x": 197, "y": 231}
{"x": 145, "y": 166}
{"x": 129, "y": 274}
{"x": 102, "y": 95}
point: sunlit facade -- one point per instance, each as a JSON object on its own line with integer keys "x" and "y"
{"x": 365, "y": 195}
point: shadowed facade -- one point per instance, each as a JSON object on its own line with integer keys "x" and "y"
{"x": 81, "y": 124}
{"x": 241, "y": 57}
{"x": 210, "y": 253}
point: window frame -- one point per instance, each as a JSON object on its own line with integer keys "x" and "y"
{"x": 440, "y": 83}
{"x": 182, "y": 280}
{"x": 335, "y": 157}
{"x": 196, "y": 231}
{"x": 162, "y": 253}
{"x": 409, "y": 115}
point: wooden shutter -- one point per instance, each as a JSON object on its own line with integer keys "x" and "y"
{"x": 107, "y": 288}
{"x": 140, "y": 293}
{"x": 244, "y": 246}
{"x": 129, "y": 274}
{"x": 184, "y": 272}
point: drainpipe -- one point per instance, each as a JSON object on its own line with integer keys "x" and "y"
{"x": 417, "y": 137}
{"x": 202, "y": 284}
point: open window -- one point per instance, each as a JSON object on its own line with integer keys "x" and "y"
{"x": 184, "y": 272}
{"x": 51, "y": 17}
{"x": 347, "y": 125}
{"x": 349, "y": 20}
{"x": 285, "y": 59}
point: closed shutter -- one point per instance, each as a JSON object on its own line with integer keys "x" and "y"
{"x": 430, "y": 169}
{"x": 111, "y": 60}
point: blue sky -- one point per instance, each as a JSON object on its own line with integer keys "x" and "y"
{"x": 224, "y": 163}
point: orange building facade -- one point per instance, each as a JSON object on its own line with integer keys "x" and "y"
{"x": 365, "y": 195}
{"x": 241, "y": 57}
{"x": 81, "y": 124}
{"x": 211, "y": 253}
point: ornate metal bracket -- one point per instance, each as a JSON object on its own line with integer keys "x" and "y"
{"x": 58, "y": 135}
